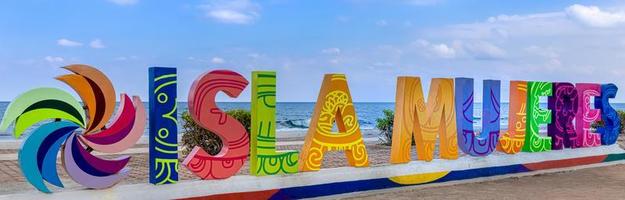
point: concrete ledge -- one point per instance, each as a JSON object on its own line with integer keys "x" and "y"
{"x": 17, "y": 144}
{"x": 343, "y": 180}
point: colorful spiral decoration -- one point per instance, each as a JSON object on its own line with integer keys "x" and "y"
{"x": 65, "y": 124}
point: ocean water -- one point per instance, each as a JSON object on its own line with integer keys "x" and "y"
{"x": 293, "y": 116}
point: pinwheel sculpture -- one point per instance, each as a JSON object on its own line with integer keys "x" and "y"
{"x": 64, "y": 126}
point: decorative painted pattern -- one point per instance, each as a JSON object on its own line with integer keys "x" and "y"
{"x": 343, "y": 187}
{"x": 204, "y": 111}
{"x": 334, "y": 104}
{"x": 485, "y": 142}
{"x": 424, "y": 122}
{"x": 264, "y": 159}
{"x": 163, "y": 159}
{"x": 37, "y": 158}
{"x": 536, "y": 116}
{"x": 513, "y": 139}
{"x": 612, "y": 124}
{"x": 563, "y": 105}
{"x": 586, "y": 115}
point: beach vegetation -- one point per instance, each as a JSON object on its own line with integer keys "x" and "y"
{"x": 195, "y": 135}
{"x": 385, "y": 126}
{"x": 621, "y": 115}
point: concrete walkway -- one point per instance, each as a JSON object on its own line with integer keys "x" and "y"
{"x": 592, "y": 183}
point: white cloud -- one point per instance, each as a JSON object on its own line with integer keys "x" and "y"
{"x": 334, "y": 55}
{"x": 124, "y": 2}
{"x": 343, "y": 19}
{"x": 483, "y": 50}
{"x": 218, "y": 60}
{"x": 478, "y": 49}
{"x": 68, "y": 43}
{"x": 508, "y": 18}
{"x": 333, "y": 51}
{"x": 443, "y": 51}
{"x": 542, "y": 51}
{"x": 255, "y": 55}
{"x": 381, "y": 23}
{"x": 125, "y": 58}
{"x": 232, "y": 11}
{"x": 437, "y": 50}
{"x": 595, "y": 17}
{"x": 121, "y": 58}
{"x": 403, "y": 2}
{"x": 97, "y": 44}
{"x": 54, "y": 59}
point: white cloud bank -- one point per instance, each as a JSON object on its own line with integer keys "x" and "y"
{"x": 595, "y": 17}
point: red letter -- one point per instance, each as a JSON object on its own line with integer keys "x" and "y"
{"x": 205, "y": 112}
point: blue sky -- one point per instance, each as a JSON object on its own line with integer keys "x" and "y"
{"x": 372, "y": 41}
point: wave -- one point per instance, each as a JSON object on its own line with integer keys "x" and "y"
{"x": 293, "y": 124}
{"x": 303, "y": 124}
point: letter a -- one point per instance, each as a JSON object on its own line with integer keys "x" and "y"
{"x": 334, "y": 104}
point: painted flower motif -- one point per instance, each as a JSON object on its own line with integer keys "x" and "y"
{"x": 76, "y": 130}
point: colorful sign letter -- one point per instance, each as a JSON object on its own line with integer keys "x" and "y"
{"x": 537, "y": 116}
{"x": 334, "y": 104}
{"x": 586, "y": 115}
{"x": 513, "y": 139}
{"x": 611, "y": 122}
{"x": 204, "y": 111}
{"x": 264, "y": 160}
{"x": 163, "y": 123}
{"x": 486, "y": 141}
{"x": 563, "y": 104}
{"x": 37, "y": 158}
{"x": 424, "y": 122}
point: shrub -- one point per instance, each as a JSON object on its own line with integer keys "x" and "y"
{"x": 385, "y": 125}
{"x": 621, "y": 115}
{"x": 195, "y": 135}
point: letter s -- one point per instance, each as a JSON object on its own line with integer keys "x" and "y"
{"x": 204, "y": 111}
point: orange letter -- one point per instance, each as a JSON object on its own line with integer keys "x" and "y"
{"x": 414, "y": 119}
{"x": 512, "y": 140}
{"x": 333, "y": 104}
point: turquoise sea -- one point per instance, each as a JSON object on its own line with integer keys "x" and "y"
{"x": 294, "y": 116}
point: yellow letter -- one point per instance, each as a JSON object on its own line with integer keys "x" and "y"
{"x": 333, "y": 104}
